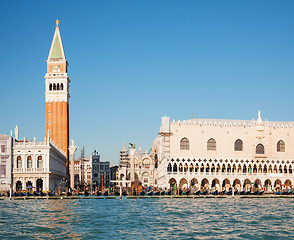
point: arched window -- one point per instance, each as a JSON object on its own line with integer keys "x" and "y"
{"x": 29, "y": 162}
{"x": 169, "y": 168}
{"x": 211, "y": 145}
{"x": 54, "y": 87}
{"x": 50, "y": 87}
{"x": 57, "y": 86}
{"x": 19, "y": 163}
{"x": 238, "y": 145}
{"x": 184, "y": 144}
{"x": 61, "y": 86}
{"x": 175, "y": 168}
{"x": 281, "y": 146}
{"x": 40, "y": 162}
{"x": 260, "y": 149}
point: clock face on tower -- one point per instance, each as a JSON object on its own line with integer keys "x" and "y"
{"x": 56, "y": 68}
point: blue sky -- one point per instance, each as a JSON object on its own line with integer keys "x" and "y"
{"x": 132, "y": 62}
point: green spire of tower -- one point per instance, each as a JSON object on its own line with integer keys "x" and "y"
{"x": 56, "y": 51}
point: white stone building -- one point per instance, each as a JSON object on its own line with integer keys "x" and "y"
{"x": 137, "y": 167}
{"x": 217, "y": 154}
{"x": 5, "y": 162}
{"x": 82, "y": 172}
{"x": 38, "y": 165}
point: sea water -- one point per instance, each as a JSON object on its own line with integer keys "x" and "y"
{"x": 149, "y": 218}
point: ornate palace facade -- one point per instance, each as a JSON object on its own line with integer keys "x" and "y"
{"x": 218, "y": 154}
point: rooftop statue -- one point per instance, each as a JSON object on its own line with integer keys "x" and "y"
{"x": 132, "y": 146}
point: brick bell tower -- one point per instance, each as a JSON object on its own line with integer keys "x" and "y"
{"x": 57, "y": 95}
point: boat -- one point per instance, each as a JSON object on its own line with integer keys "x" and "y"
{"x": 86, "y": 193}
{"x": 142, "y": 193}
{"x": 180, "y": 192}
{"x": 150, "y": 193}
{"x": 187, "y": 192}
{"x": 135, "y": 193}
{"x": 36, "y": 194}
{"x": 16, "y": 194}
{"x": 162, "y": 193}
{"x": 197, "y": 192}
{"x": 116, "y": 193}
{"x": 67, "y": 194}
{"x": 204, "y": 192}
{"x": 124, "y": 193}
{"x": 105, "y": 193}
{"x": 169, "y": 192}
{"x": 157, "y": 193}
{"x": 51, "y": 194}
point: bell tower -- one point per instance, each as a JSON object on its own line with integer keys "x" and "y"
{"x": 57, "y": 95}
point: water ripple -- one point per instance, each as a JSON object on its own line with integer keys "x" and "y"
{"x": 163, "y": 218}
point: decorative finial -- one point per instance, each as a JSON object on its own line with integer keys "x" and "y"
{"x": 57, "y": 22}
{"x": 259, "y": 114}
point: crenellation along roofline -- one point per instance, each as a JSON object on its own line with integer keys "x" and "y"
{"x": 232, "y": 122}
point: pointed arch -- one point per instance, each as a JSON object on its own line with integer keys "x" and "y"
{"x": 169, "y": 167}
{"x": 259, "y": 149}
{"x": 57, "y": 86}
{"x": 202, "y": 168}
{"x": 285, "y": 169}
{"x": 212, "y": 168}
{"x": 181, "y": 167}
{"x": 264, "y": 169}
{"x": 191, "y": 168}
{"x": 50, "y": 87}
{"x": 223, "y": 168}
{"x": 270, "y": 169}
{"x": 183, "y": 183}
{"x": 54, "y": 86}
{"x": 238, "y": 145}
{"x": 281, "y": 146}
{"x": 172, "y": 183}
{"x": 218, "y": 168}
{"x": 229, "y": 168}
{"x": 211, "y": 145}
{"x": 61, "y": 86}
{"x": 226, "y": 183}
{"x": 237, "y": 183}
{"x": 205, "y": 183}
{"x": 280, "y": 169}
{"x": 184, "y": 144}
{"x": 215, "y": 183}
{"x": 186, "y": 167}
{"x": 244, "y": 169}
{"x": 234, "y": 168}
{"x": 288, "y": 183}
{"x": 207, "y": 169}
{"x": 254, "y": 168}
{"x": 175, "y": 168}
{"x": 239, "y": 169}
{"x": 196, "y": 167}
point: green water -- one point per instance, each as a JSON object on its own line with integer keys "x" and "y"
{"x": 157, "y": 218}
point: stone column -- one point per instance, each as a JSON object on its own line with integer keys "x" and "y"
{"x": 132, "y": 155}
{"x": 72, "y": 149}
